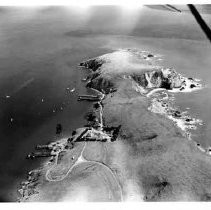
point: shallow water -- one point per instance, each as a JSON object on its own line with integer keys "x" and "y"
{"x": 39, "y": 53}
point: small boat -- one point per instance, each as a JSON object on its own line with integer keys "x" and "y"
{"x": 84, "y": 79}
{"x": 72, "y": 90}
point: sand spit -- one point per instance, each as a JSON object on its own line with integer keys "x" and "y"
{"x": 140, "y": 150}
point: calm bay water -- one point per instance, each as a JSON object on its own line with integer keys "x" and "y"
{"x": 39, "y": 52}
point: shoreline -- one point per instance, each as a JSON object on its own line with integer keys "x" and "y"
{"x": 107, "y": 88}
{"x": 58, "y": 146}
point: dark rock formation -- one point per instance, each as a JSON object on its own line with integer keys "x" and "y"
{"x": 102, "y": 84}
{"x": 92, "y": 64}
{"x": 140, "y": 79}
{"x": 93, "y": 75}
{"x": 192, "y": 86}
{"x": 58, "y": 128}
{"x": 155, "y": 79}
{"x": 73, "y": 133}
{"x": 90, "y": 116}
{"x": 96, "y": 105}
{"x": 150, "y": 55}
{"x": 177, "y": 113}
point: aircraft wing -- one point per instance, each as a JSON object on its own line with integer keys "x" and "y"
{"x": 202, "y": 8}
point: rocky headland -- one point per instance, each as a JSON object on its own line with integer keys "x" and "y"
{"x": 136, "y": 145}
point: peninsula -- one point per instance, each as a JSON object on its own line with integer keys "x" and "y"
{"x": 137, "y": 144}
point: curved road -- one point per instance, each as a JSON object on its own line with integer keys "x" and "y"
{"x": 81, "y": 159}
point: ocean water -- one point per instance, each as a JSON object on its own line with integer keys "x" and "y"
{"x": 39, "y": 52}
{"x": 37, "y": 63}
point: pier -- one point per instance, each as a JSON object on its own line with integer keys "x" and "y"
{"x": 41, "y": 147}
{"x": 38, "y": 154}
{"x": 89, "y": 98}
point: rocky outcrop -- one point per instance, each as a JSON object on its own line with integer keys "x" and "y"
{"x": 102, "y": 84}
{"x": 156, "y": 77}
{"x": 167, "y": 79}
{"x": 93, "y": 64}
